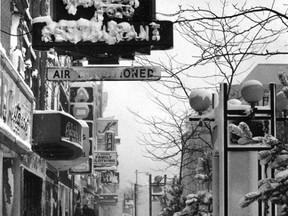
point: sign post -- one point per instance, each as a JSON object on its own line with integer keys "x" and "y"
{"x": 119, "y": 73}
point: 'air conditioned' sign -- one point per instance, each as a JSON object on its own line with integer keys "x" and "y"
{"x": 120, "y": 73}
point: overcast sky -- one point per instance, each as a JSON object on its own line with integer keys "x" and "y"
{"x": 134, "y": 96}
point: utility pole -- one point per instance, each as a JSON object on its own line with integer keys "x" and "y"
{"x": 136, "y": 193}
{"x": 150, "y": 195}
{"x": 135, "y": 199}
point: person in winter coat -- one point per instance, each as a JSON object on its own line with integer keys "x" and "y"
{"x": 88, "y": 211}
{"x": 78, "y": 210}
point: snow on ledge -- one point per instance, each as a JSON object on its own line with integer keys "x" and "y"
{"x": 41, "y": 19}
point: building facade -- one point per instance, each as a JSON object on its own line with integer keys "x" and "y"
{"x": 36, "y": 177}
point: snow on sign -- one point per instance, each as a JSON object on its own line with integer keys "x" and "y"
{"x": 119, "y": 73}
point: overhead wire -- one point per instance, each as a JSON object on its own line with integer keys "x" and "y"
{"x": 16, "y": 35}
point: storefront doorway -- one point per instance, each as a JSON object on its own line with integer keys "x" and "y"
{"x": 32, "y": 194}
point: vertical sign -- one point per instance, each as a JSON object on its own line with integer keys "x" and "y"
{"x": 105, "y": 125}
{"x": 82, "y": 106}
{"x": 110, "y": 140}
{"x": 85, "y": 165}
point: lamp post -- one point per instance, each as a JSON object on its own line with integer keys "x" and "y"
{"x": 150, "y": 196}
{"x": 200, "y": 101}
{"x": 229, "y": 184}
{"x": 157, "y": 183}
{"x": 239, "y": 170}
{"x": 136, "y": 190}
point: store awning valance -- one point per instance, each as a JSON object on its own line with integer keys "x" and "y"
{"x": 56, "y": 135}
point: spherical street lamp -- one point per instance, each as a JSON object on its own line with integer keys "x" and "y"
{"x": 200, "y": 100}
{"x": 252, "y": 91}
{"x": 281, "y": 101}
{"x": 281, "y": 104}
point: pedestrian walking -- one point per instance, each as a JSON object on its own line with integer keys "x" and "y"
{"x": 88, "y": 211}
{"x": 78, "y": 210}
{"x": 92, "y": 212}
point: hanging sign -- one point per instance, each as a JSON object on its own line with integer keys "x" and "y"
{"x": 119, "y": 73}
{"x": 107, "y": 124}
{"x": 96, "y": 38}
{"x": 105, "y": 159}
{"x": 109, "y": 176}
{"x": 84, "y": 163}
{"x": 57, "y": 135}
{"x": 102, "y": 31}
{"x": 107, "y": 199}
{"x": 110, "y": 140}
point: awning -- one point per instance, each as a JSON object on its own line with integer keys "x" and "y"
{"x": 56, "y": 135}
{"x": 62, "y": 165}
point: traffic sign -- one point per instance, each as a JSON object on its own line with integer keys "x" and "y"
{"x": 112, "y": 73}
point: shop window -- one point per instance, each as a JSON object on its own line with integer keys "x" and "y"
{"x": 65, "y": 201}
{"x": 8, "y": 187}
{"x": 51, "y": 199}
{"x": 32, "y": 194}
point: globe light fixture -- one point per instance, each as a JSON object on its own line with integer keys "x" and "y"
{"x": 158, "y": 179}
{"x": 281, "y": 103}
{"x": 252, "y": 91}
{"x": 200, "y": 100}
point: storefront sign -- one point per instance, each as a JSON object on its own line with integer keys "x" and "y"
{"x": 121, "y": 73}
{"x": 82, "y": 92}
{"x": 86, "y": 165}
{"x": 110, "y": 140}
{"x": 34, "y": 163}
{"x": 105, "y": 159}
{"x": 56, "y": 135}
{"x": 109, "y": 177}
{"x": 107, "y": 199}
{"x": 16, "y": 105}
{"x": 16, "y": 109}
{"x": 71, "y": 132}
{"x": 82, "y": 164}
{"x": 82, "y": 111}
{"x": 119, "y": 9}
{"x": 102, "y": 32}
{"x": 106, "y": 124}
{"x": 133, "y": 36}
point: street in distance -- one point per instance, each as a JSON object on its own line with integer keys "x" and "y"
{"x": 107, "y": 73}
